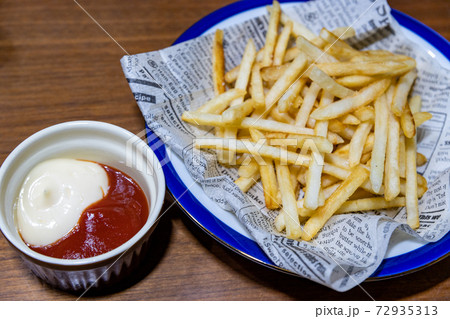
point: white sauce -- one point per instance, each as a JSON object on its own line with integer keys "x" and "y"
{"x": 54, "y": 195}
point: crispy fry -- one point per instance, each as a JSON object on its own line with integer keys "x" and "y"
{"x": 267, "y": 173}
{"x": 282, "y": 43}
{"x": 285, "y": 81}
{"x": 291, "y": 54}
{"x": 235, "y": 114}
{"x": 350, "y": 104}
{"x": 293, "y": 229}
{"x": 380, "y": 140}
{"x": 218, "y": 63}
{"x": 421, "y": 117}
{"x": 219, "y": 103}
{"x": 355, "y": 81}
{"x": 248, "y": 122}
{"x": 314, "y": 174}
{"x": 258, "y": 150}
{"x": 412, "y": 205}
{"x": 401, "y": 92}
{"x": 373, "y": 203}
{"x": 307, "y": 105}
{"x": 357, "y": 143}
{"x": 257, "y": 88}
{"x": 328, "y": 84}
{"x": 389, "y": 68}
{"x": 345, "y": 131}
{"x": 281, "y": 117}
{"x": 313, "y": 52}
{"x": 289, "y": 97}
{"x": 391, "y": 170}
{"x": 344, "y": 32}
{"x": 273, "y": 73}
{"x": 415, "y": 104}
{"x": 245, "y": 183}
{"x": 402, "y": 156}
{"x": 365, "y": 113}
{"x": 407, "y": 122}
{"x": 332, "y": 204}
{"x": 349, "y": 119}
{"x": 271, "y": 36}
{"x": 421, "y": 159}
{"x": 298, "y": 141}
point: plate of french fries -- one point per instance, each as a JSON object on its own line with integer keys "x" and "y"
{"x": 321, "y": 127}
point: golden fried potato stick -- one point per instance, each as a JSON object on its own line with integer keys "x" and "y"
{"x": 344, "y": 32}
{"x": 218, "y": 63}
{"x": 415, "y": 104}
{"x": 349, "y": 104}
{"x": 272, "y": 73}
{"x": 314, "y": 173}
{"x": 355, "y": 81}
{"x": 402, "y": 156}
{"x": 307, "y": 105}
{"x": 219, "y": 103}
{"x": 357, "y": 143}
{"x": 235, "y": 114}
{"x": 289, "y": 210}
{"x": 421, "y": 117}
{"x": 372, "y": 203}
{"x": 401, "y": 92}
{"x": 407, "y": 122}
{"x": 332, "y": 204}
{"x": 421, "y": 159}
{"x": 328, "y": 84}
{"x": 288, "y": 98}
{"x": 248, "y": 169}
{"x": 242, "y": 80}
{"x": 389, "y": 68}
{"x": 285, "y": 81}
{"x": 267, "y": 173}
{"x": 412, "y": 205}
{"x": 248, "y": 122}
{"x": 368, "y": 146}
{"x": 349, "y": 119}
{"x": 298, "y": 141}
{"x": 271, "y": 35}
{"x": 379, "y": 145}
{"x": 365, "y": 113}
{"x": 345, "y": 131}
{"x": 291, "y": 54}
{"x": 315, "y": 54}
{"x": 257, "y": 150}
{"x": 282, "y": 43}
{"x": 391, "y": 170}
{"x": 257, "y": 88}
{"x": 245, "y": 183}
{"x": 281, "y": 117}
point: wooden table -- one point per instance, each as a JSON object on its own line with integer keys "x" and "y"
{"x": 57, "y": 65}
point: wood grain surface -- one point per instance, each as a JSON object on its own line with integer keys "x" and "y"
{"x": 57, "y": 65}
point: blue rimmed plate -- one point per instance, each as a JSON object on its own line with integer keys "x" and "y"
{"x": 405, "y": 254}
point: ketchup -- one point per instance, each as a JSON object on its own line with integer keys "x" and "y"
{"x": 106, "y": 224}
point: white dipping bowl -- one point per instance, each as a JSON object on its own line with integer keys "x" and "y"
{"x": 89, "y": 140}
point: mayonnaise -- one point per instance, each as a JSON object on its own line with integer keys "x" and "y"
{"x": 54, "y": 195}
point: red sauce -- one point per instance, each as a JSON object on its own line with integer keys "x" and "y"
{"x": 106, "y": 224}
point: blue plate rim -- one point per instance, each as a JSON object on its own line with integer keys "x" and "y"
{"x": 390, "y": 267}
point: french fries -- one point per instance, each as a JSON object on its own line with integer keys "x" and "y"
{"x": 218, "y": 63}
{"x": 319, "y": 116}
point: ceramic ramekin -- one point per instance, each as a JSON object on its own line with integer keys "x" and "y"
{"x": 89, "y": 140}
